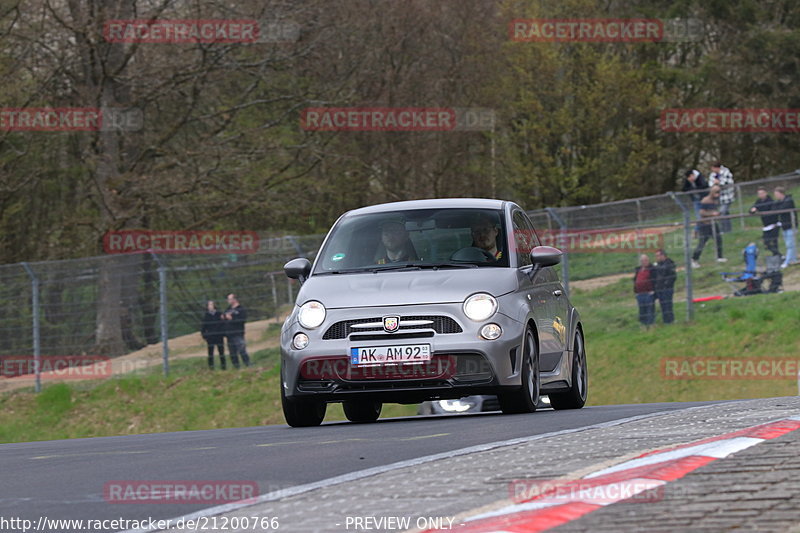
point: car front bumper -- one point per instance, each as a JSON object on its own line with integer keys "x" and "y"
{"x": 463, "y": 363}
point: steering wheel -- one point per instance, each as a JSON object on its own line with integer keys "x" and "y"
{"x": 472, "y": 254}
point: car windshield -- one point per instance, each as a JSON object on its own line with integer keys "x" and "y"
{"x": 416, "y": 239}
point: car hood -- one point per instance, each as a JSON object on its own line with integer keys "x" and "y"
{"x": 405, "y": 288}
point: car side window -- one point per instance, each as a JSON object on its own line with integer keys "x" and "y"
{"x": 548, "y": 273}
{"x": 523, "y": 238}
{"x": 534, "y": 239}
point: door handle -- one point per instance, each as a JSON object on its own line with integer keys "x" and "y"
{"x": 557, "y": 293}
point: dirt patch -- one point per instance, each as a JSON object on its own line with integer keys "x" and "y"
{"x": 596, "y": 283}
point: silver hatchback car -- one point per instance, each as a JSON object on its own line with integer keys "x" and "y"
{"x": 426, "y": 300}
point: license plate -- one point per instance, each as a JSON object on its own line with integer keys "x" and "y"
{"x": 386, "y": 355}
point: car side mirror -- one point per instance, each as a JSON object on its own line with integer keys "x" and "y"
{"x": 298, "y": 269}
{"x": 545, "y": 256}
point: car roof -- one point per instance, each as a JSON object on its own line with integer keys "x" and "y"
{"x": 437, "y": 203}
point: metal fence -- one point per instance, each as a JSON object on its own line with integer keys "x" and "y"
{"x": 663, "y": 211}
{"x": 55, "y": 307}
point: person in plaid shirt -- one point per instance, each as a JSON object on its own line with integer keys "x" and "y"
{"x": 722, "y": 176}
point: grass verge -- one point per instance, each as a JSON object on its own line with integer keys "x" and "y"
{"x": 624, "y": 367}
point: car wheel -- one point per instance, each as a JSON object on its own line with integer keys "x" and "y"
{"x": 575, "y": 397}
{"x": 526, "y": 398}
{"x": 361, "y": 411}
{"x": 302, "y": 412}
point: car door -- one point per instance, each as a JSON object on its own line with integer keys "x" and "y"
{"x": 558, "y": 306}
{"x": 538, "y": 292}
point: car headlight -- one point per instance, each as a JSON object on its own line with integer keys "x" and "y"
{"x": 311, "y": 315}
{"x": 456, "y": 406}
{"x": 480, "y": 306}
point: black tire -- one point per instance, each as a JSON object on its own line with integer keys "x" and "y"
{"x": 361, "y": 411}
{"x": 302, "y": 412}
{"x": 575, "y": 397}
{"x": 525, "y": 399}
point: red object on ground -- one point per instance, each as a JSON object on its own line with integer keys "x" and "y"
{"x": 708, "y": 298}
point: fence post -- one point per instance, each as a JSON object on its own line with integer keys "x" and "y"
{"x": 162, "y": 292}
{"x": 37, "y": 332}
{"x": 564, "y": 258}
{"x": 741, "y": 204}
{"x": 274, "y": 292}
{"x": 687, "y": 256}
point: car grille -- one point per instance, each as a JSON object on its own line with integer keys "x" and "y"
{"x": 439, "y": 324}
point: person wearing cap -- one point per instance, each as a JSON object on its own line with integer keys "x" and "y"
{"x": 484, "y": 235}
{"x": 397, "y": 243}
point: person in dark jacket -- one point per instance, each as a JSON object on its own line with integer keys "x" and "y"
{"x": 235, "y": 317}
{"x": 644, "y": 290}
{"x": 786, "y": 221}
{"x": 212, "y": 331}
{"x": 708, "y": 227}
{"x": 696, "y": 183}
{"x": 664, "y": 284}
{"x": 769, "y": 231}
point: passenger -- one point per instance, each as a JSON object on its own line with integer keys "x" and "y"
{"x": 397, "y": 243}
{"x": 484, "y": 235}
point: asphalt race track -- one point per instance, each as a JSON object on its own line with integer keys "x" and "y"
{"x": 65, "y": 479}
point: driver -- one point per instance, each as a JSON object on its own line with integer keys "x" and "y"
{"x": 484, "y": 235}
{"x": 397, "y": 243}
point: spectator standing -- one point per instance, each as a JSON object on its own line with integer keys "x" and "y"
{"x": 709, "y": 208}
{"x": 664, "y": 285}
{"x": 722, "y": 176}
{"x": 212, "y": 330}
{"x": 696, "y": 183}
{"x": 769, "y": 222}
{"x": 786, "y": 221}
{"x": 643, "y": 288}
{"x": 236, "y": 315}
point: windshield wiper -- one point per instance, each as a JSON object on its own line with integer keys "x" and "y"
{"x": 400, "y": 266}
{"x": 436, "y": 266}
{"x": 424, "y": 266}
